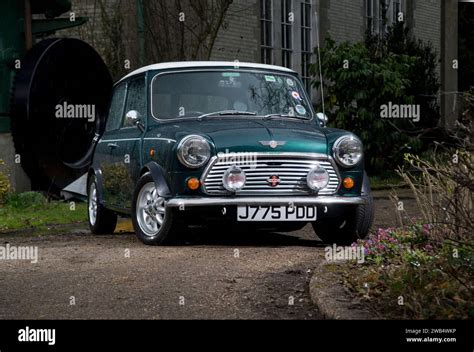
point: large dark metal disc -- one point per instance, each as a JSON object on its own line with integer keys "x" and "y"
{"x": 59, "y": 72}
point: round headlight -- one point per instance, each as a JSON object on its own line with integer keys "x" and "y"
{"x": 194, "y": 152}
{"x": 348, "y": 151}
{"x": 234, "y": 179}
{"x": 318, "y": 178}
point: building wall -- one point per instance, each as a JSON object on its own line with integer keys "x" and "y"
{"x": 239, "y": 39}
{"x": 343, "y": 20}
{"x": 100, "y": 31}
{"x": 426, "y": 23}
{"x": 92, "y": 32}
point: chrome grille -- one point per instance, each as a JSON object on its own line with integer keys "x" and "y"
{"x": 292, "y": 170}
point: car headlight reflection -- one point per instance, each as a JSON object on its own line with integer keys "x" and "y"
{"x": 194, "y": 152}
{"x": 348, "y": 151}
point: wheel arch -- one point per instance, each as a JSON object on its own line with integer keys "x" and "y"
{"x": 158, "y": 174}
{"x": 366, "y": 189}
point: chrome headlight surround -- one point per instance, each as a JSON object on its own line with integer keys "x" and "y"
{"x": 237, "y": 185}
{"x": 348, "y": 151}
{"x": 194, "y": 151}
{"x": 318, "y": 178}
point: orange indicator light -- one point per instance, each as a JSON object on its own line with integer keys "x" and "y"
{"x": 349, "y": 183}
{"x": 193, "y": 184}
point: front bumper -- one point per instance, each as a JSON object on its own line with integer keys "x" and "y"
{"x": 264, "y": 201}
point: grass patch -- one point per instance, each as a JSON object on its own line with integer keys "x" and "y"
{"x": 32, "y": 211}
{"x": 388, "y": 181}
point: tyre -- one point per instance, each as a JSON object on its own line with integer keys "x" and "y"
{"x": 153, "y": 223}
{"x": 353, "y": 226}
{"x": 101, "y": 220}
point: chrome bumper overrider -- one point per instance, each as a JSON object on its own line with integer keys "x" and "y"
{"x": 206, "y": 202}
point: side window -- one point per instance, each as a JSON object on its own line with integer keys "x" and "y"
{"x": 114, "y": 119}
{"x": 136, "y": 99}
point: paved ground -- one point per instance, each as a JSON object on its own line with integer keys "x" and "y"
{"x": 207, "y": 276}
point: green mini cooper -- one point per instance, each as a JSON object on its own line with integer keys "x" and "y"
{"x": 224, "y": 143}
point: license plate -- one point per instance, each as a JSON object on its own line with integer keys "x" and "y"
{"x": 276, "y": 213}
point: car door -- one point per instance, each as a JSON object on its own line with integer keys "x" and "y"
{"x": 104, "y": 158}
{"x": 126, "y": 146}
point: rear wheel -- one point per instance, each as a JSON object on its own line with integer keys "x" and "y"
{"x": 101, "y": 220}
{"x": 153, "y": 222}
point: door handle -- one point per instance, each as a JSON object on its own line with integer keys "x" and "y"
{"x": 113, "y": 145}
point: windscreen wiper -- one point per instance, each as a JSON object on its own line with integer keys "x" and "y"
{"x": 286, "y": 116}
{"x": 228, "y": 113}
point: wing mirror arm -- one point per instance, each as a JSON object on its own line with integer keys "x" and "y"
{"x": 140, "y": 126}
{"x": 133, "y": 119}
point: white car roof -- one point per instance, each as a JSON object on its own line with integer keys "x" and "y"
{"x": 200, "y": 64}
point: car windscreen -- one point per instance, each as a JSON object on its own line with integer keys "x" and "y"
{"x": 194, "y": 94}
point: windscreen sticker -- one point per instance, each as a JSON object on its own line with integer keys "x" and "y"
{"x": 270, "y": 79}
{"x": 300, "y": 109}
{"x": 290, "y": 82}
{"x": 296, "y": 95}
{"x": 231, "y": 83}
{"x": 230, "y": 74}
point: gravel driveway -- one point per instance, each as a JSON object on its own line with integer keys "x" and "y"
{"x": 206, "y": 276}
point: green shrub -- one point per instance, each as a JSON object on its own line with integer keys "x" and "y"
{"x": 5, "y": 187}
{"x": 428, "y": 261}
{"x": 360, "y": 78}
{"x": 26, "y": 200}
{"x": 424, "y": 81}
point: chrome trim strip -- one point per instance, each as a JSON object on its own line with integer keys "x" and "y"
{"x": 219, "y": 201}
{"x": 208, "y": 169}
{"x": 119, "y": 140}
{"x": 160, "y": 139}
{"x": 277, "y": 154}
{"x": 262, "y": 156}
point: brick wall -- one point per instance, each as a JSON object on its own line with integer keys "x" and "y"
{"x": 239, "y": 39}
{"x": 344, "y": 20}
{"x": 92, "y": 32}
{"x": 427, "y": 21}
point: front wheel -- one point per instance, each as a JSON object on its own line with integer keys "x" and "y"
{"x": 354, "y": 225}
{"x": 153, "y": 223}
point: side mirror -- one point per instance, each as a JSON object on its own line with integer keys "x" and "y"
{"x": 132, "y": 118}
{"x": 323, "y": 118}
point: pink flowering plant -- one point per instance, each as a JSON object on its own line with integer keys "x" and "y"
{"x": 410, "y": 243}
{"x": 435, "y": 278}
{"x": 424, "y": 268}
